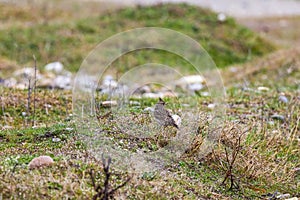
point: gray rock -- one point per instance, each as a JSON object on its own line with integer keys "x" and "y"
{"x": 185, "y": 81}
{"x": 263, "y": 89}
{"x": 221, "y": 17}
{"x": 62, "y": 82}
{"x": 10, "y": 82}
{"x": 152, "y": 95}
{"x": 109, "y": 82}
{"x": 143, "y": 89}
{"x": 56, "y": 139}
{"x": 195, "y": 87}
{"x": 25, "y": 72}
{"x": 205, "y": 94}
{"x": 283, "y": 99}
{"x": 283, "y": 196}
{"x": 149, "y": 109}
{"x": 211, "y": 106}
{"x": 108, "y": 104}
{"x": 278, "y": 117}
{"x": 56, "y": 67}
{"x": 134, "y": 103}
{"x": 41, "y": 161}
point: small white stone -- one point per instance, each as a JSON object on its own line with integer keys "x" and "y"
{"x": 62, "y": 82}
{"x": 56, "y": 67}
{"x": 41, "y": 161}
{"x": 151, "y": 95}
{"x": 192, "y": 79}
{"x": 134, "y": 103}
{"x": 205, "y": 94}
{"x": 26, "y": 72}
{"x": 211, "y": 106}
{"x": 56, "y": 139}
{"x": 221, "y": 17}
{"x": 149, "y": 109}
{"x": 283, "y": 99}
{"x": 278, "y": 117}
{"x": 195, "y": 87}
{"x": 283, "y": 196}
{"x": 108, "y": 104}
{"x": 10, "y": 83}
{"x": 263, "y": 89}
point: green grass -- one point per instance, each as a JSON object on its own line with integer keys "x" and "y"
{"x": 70, "y": 41}
{"x": 269, "y": 154}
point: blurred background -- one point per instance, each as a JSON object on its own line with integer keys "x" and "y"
{"x": 65, "y": 31}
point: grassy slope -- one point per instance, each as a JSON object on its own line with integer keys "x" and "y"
{"x": 266, "y": 163}
{"x": 52, "y": 37}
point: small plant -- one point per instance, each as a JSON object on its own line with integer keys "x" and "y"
{"x": 105, "y": 192}
{"x": 230, "y": 160}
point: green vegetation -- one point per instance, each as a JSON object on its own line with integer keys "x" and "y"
{"x": 70, "y": 41}
{"x": 255, "y": 156}
{"x": 268, "y": 156}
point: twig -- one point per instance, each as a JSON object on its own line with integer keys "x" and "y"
{"x": 105, "y": 193}
{"x": 229, "y": 173}
{"x": 34, "y": 90}
{"x": 28, "y": 97}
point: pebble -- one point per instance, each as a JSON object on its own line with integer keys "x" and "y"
{"x": 263, "y": 89}
{"x": 56, "y": 139}
{"x": 205, "y": 94}
{"x": 10, "y": 82}
{"x": 221, "y": 17}
{"x": 41, "y": 161}
{"x": 143, "y": 89}
{"x": 62, "y": 82}
{"x": 211, "y": 106}
{"x": 195, "y": 87}
{"x": 278, "y": 117}
{"x": 149, "y": 109}
{"x": 283, "y": 99}
{"x": 186, "y": 81}
{"x": 24, "y": 72}
{"x": 56, "y": 67}
{"x": 151, "y": 95}
{"x": 108, "y": 104}
{"x": 283, "y": 196}
{"x": 134, "y": 103}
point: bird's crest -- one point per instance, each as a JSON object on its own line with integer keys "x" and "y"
{"x": 161, "y": 101}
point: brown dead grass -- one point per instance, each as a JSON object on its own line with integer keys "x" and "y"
{"x": 271, "y": 62}
{"x": 284, "y": 31}
{"x": 29, "y": 13}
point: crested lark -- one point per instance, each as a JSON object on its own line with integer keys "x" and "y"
{"x": 162, "y": 116}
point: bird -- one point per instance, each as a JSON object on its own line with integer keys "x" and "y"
{"x": 163, "y": 116}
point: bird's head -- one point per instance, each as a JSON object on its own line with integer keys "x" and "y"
{"x": 160, "y": 101}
